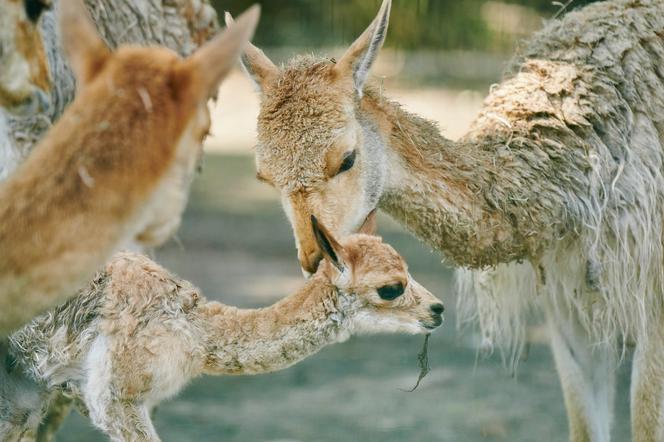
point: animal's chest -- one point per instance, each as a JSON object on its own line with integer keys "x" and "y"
{"x": 170, "y": 374}
{"x": 156, "y": 362}
{"x": 172, "y": 365}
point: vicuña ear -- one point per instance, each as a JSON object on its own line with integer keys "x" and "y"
{"x": 215, "y": 58}
{"x": 255, "y": 63}
{"x": 85, "y": 49}
{"x": 331, "y": 249}
{"x": 357, "y": 60}
{"x": 368, "y": 227}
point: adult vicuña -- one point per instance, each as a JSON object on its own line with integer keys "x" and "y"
{"x": 24, "y": 77}
{"x": 562, "y": 171}
{"x": 138, "y": 334}
{"x": 114, "y": 169}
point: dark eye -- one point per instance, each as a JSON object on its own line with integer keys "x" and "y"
{"x": 348, "y": 162}
{"x": 390, "y": 292}
{"x": 34, "y": 8}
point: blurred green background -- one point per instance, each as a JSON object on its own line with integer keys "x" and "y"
{"x": 416, "y": 24}
{"x": 457, "y": 43}
{"x": 237, "y": 246}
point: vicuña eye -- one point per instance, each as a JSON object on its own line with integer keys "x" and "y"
{"x": 390, "y": 292}
{"x": 34, "y": 8}
{"x": 348, "y": 162}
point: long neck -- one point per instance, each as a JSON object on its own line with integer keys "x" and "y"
{"x": 462, "y": 198}
{"x": 256, "y": 341}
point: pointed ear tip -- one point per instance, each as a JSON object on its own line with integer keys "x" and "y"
{"x": 245, "y": 25}
{"x": 255, "y": 8}
{"x": 251, "y": 15}
{"x": 228, "y": 18}
{"x": 384, "y": 11}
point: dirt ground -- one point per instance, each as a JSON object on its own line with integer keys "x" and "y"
{"x": 236, "y": 245}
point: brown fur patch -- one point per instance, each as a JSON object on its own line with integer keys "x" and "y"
{"x": 95, "y": 168}
{"x": 115, "y": 168}
{"x": 29, "y": 44}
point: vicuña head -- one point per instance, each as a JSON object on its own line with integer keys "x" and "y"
{"x": 158, "y": 332}
{"x": 116, "y": 167}
{"x": 24, "y": 77}
{"x": 314, "y": 144}
{"x": 373, "y": 278}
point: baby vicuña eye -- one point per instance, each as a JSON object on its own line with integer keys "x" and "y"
{"x": 348, "y": 162}
{"x": 390, "y": 292}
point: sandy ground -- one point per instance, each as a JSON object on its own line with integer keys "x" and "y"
{"x": 236, "y": 244}
{"x": 234, "y": 114}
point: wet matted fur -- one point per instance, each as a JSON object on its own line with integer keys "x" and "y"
{"x": 137, "y": 334}
{"x": 551, "y": 203}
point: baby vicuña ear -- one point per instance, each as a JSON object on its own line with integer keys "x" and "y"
{"x": 368, "y": 227}
{"x": 81, "y": 42}
{"x": 357, "y": 60}
{"x": 329, "y": 247}
{"x": 215, "y": 58}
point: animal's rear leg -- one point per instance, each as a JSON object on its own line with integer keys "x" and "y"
{"x": 58, "y": 409}
{"x": 647, "y": 395}
{"x": 125, "y": 422}
{"x": 587, "y": 377}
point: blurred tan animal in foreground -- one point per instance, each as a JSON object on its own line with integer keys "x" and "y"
{"x": 181, "y": 25}
{"x": 552, "y": 201}
{"x": 115, "y": 169}
{"x": 138, "y": 334}
{"x": 24, "y": 74}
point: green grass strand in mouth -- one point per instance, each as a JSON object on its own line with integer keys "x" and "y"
{"x": 423, "y": 361}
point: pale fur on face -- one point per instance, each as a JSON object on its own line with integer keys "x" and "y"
{"x": 367, "y": 264}
{"x": 299, "y": 152}
{"x": 408, "y": 314}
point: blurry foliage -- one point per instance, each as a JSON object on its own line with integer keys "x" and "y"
{"x": 487, "y": 25}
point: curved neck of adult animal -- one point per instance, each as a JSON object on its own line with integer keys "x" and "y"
{"x": 252, "y": 341}
{"x": 451, "y": 195}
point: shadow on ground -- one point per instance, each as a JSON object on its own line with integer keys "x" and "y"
{"x": 236, "y": 245}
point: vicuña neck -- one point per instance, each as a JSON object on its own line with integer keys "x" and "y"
{"x": 462, "y": 198}
{"x": 252, "y": 341}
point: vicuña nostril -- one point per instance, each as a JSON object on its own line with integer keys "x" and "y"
{"x": 438, "y": 309}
